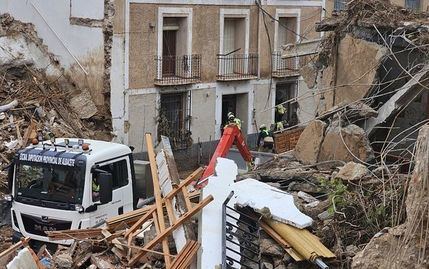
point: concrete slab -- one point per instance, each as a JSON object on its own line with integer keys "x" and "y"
{"x": 270, "y": 202}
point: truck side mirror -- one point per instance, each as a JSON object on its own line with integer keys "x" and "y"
{"x": 106, "y": 187}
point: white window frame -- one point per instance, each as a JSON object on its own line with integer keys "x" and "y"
{"x": 173, "y": 12}
{"x": 285, "y": 13}
{"x": 234, "y": 13}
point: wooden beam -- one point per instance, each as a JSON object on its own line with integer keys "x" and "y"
{"x": 140, "y": 222}
{"x": 74, "y": 234}
{"x": 158, "y": 197}
{"x": 131, "y": 217}
{"x": 14, "y": 247}
{"x": 170, "y": 229}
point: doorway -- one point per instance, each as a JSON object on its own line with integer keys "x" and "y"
{"x": 238, "y": 104}
{"x": 287, "y": 92}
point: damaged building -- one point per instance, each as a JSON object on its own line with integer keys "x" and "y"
{"x": 182, "y": 67}
{"x": 350, "y": 190}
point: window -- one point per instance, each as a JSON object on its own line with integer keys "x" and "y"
{"x": 233, "y": 35}
{"x": 412, "y": 4}
{"x": 119, "y": 171}
{"x": 174, "y": 119}
{"x": 174, "y": 42}
{"x": 287, "y": 92}
{"x": 285, "y": 34}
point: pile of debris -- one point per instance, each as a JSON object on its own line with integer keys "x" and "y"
{"x": 37, "y": 100}
{"x": 236, "y": 228}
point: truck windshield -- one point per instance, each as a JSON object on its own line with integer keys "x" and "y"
{"x": 50, "y": 183}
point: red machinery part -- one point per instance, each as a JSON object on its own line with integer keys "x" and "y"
{"x": 230, "y": 134}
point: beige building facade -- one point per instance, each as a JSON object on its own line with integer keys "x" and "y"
{"x": 178, "y": 67}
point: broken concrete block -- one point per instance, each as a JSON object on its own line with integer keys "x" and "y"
{"x": 343, "y": 143}
{"x": 357, "y": 67}
{"x": 269, "y": 247}
{"x": 267, "y": 265}
{"x": 306, "y": 197}
{"x": 64, "y": 260}
{"x": 262, "y": 197}
{"x": 83, "y": 105}
{"x": 352, "y": 171}
{"x": 308, "y": 146}
{"x": 325, "y": 215}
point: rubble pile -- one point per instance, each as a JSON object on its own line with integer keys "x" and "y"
{"x": 36, "y": 100}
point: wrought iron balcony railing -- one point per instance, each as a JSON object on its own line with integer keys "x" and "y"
{"x": 178, "y": 70}
{"x": 237, "y": 66}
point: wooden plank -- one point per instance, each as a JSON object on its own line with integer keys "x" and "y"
{"x": 191, "y": 254}
{"x": 170, "y": 229}
{"x": 158, "y": 197}
{"x": 14, "y": 247}
{"x": 112, "y": 238}
{"x": 192, "y": 177}
{"x": 140, "y": 222}
{"x": 186, "y": 198}
{"x": 74, "y": 234}
{"x": 170, "y": 212}
{"x": 185, "y": 257}
{"x": 133, "y": 216}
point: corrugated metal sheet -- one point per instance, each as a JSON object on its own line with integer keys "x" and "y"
{"x": 304, "y": 243}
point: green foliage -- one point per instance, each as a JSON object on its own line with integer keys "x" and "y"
{"x": 336, "y": 193}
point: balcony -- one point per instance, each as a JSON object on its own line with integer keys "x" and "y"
{"x": 178, "y": 70}
{"x": 237, "y": 67}
{"x": 290, "y": 66}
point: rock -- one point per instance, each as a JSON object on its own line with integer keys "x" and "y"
{"x": 352, "y": 171}
{"x": 308, "y": 146}
{"x": 351, "y": 250}
{"x": 363, "y": 110}
{"x": 92, "y": 266}
{"x": 83, "y": 105}
{"x": 325, "y": 215}
{"x": 64, "y": 260}
{"x": 312, "y": 204}
{"x": 267, "y": 265}
{"x": 270, "y": 248}
{"x": 354, "y": 137}
{"x": 306, "y": 197}
{"x": 303, "y": 186}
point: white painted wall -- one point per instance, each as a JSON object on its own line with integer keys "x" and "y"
{"x": 69, "y": 43}
{"x": 92, "y": 9}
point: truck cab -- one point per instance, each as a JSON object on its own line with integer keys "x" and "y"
{"x": 69, "y": 184}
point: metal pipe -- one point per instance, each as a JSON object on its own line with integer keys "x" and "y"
{"x": 321, "y": 264}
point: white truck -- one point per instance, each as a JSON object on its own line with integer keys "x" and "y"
{"x": 70, "y": 184}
